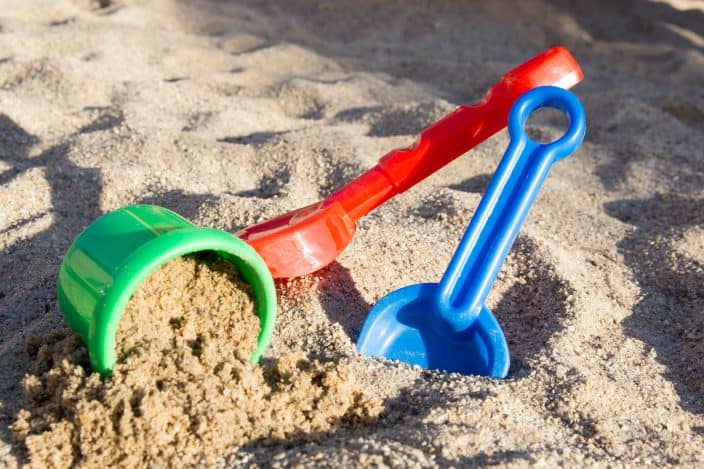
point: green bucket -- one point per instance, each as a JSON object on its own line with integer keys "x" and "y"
{"x": 110, "y": 258}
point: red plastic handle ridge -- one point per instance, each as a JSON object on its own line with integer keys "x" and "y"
{"x": 455, "y": 134}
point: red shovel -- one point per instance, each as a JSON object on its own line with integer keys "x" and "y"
{"x": 307, "y": 239}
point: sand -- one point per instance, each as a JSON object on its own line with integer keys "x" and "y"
{"x": 183, "y": 389}
{"x": 232, "y": 112}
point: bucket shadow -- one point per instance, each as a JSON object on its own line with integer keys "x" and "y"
{"x": 670, "y": 274}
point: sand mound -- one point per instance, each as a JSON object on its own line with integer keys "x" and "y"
{"x": 183, "y": 390}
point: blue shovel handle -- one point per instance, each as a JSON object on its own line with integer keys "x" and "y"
{"x": 500, "y": 214}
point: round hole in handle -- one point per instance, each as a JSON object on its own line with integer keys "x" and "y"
{"x": 553, "y": 97}
{"x": 546, "y": 125}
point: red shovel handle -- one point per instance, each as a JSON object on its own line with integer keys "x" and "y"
{"x": 455, "y": 134}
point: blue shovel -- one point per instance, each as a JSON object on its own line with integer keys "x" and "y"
{"x": 445, "y": 325}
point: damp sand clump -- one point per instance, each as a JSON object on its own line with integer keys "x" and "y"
{"x": 183, "y": 390}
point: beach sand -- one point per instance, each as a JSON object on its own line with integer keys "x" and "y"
{"x": 232, "y": 112}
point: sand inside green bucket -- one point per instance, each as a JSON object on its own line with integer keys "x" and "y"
{"x": 183, "y": 391}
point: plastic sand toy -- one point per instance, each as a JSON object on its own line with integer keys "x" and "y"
{"x": 110, "y": 258}
{"x": 446, "y": 325}
{"x": 307, "y": 239}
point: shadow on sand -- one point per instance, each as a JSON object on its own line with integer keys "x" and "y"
{"x": 670, "y": 273}
{"x": 408, "y": 410}
{"x": 29, "y": 265}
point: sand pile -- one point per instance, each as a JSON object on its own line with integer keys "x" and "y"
{"x": 183, "y": 390}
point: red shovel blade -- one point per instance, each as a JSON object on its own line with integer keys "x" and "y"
{"x": 307, "y": 239}
{"x": 303, "y": 241}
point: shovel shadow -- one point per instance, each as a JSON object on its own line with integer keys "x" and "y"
{"x": 531, "y": 312}
{"x": 341, "y": 299}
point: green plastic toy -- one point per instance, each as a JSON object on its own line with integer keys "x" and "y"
{"x": 110, "y": 258}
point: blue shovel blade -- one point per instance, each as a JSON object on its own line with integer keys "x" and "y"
{"x": 399, "y": 328}
{"x": 446, "y": 326}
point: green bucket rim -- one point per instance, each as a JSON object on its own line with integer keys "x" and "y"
{"x": 153, "y": 254}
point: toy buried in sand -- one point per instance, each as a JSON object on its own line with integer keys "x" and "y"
{"x": 307, "y": 239}
{"x": 446, "y": 326}
{"x": 108, "y": 261}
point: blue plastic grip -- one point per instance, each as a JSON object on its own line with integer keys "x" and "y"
{"x": 503, "y": 208}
